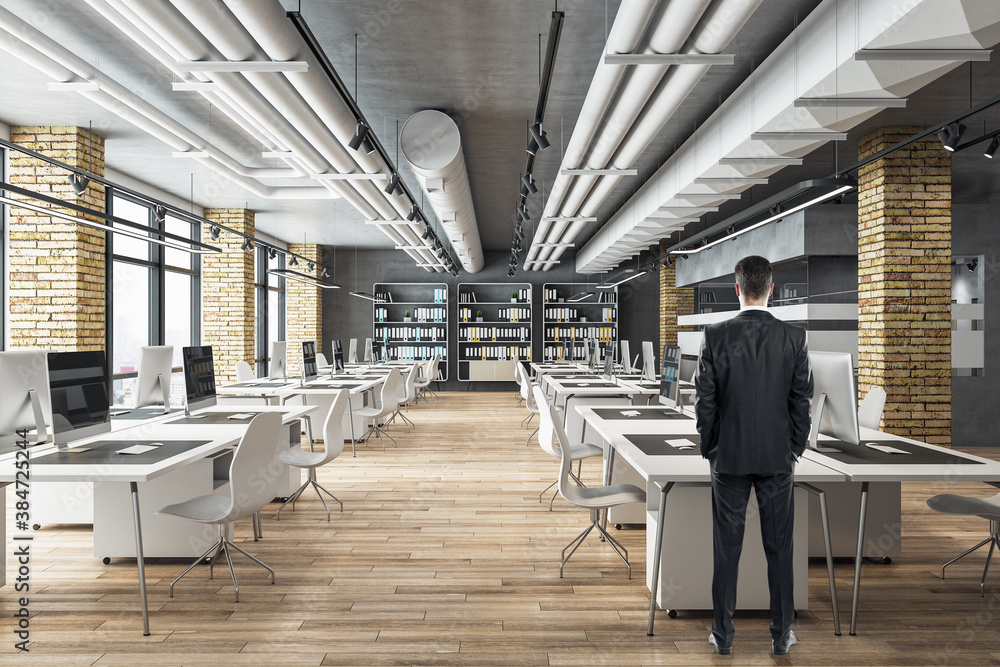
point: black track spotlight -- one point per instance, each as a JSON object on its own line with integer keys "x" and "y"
{"x": 214, "y": 232}
{"x": 524, "y": 190}
{"x": 324, "y": 273}
{"x": 684, "y": 256}
{"x": 293, "y": 261}
{"x": 529, "y": 183}
{"x": 538, "y": 134}
{"x": 360, "y": 134}
{"x": 972, "y": 266}
{"x": 950, "y": 135}
{"x": 311, "y": 266}
{"x": 519, "y": 233}
{"x": 994, "y": 145}
{"x": 427, "y": 233}
{"x": 532, "y": 146}
{"x": 79, "y": 183}
{"x": 272, "y": 253}
{"x": 667, "y": 261}
{"x": 524, "y": 213}
{"x": 367, "y": 146}
{"x": 247, "y": 244}
{"x": 393, "y": 184}
{"x": 160, "y": 214}
{"x": 413, "y": 213}
{"x": 510, "y": 274}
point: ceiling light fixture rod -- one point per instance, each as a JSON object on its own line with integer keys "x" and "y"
{"x": 599, "y": 172}
{"x": 968, "y": 55}
{"x": 243, "y": 66}
{"x": 303, "y": 278}
{"x": 851, "y": 102}
{"x": 669, "y": 58}
{"x": 805, "y": 135}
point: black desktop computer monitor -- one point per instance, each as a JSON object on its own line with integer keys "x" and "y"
{"x": 834, "y": 408}
{"x": 592, "y": 353}
{"x": 78, "y": 389}
{"x": 309, "y": 368}
{"x": 199, "y": 376}
{"x": 670, "y": 376}
{"x": 337, "y": 363}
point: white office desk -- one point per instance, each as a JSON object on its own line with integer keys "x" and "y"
{"x": 880, "y": 467}
{"x": 681, "y": 577}
{"x": 110, "y": 470}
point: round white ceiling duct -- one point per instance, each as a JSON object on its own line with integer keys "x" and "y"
{"x": 431, "y": 145}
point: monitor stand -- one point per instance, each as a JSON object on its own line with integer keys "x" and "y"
{"x": 817, "y": 415}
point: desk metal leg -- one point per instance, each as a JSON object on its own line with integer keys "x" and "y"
{"x": 350, "y": 407}
{"x": 608, "y": 472}
{"x": 657, "y": 553}
{"x": 857, "y": 559}
{"x": 829, "y": 551}
{"x": 138, "y": 557}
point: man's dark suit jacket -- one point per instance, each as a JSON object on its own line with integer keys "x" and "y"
{"x": 753, "y": 386}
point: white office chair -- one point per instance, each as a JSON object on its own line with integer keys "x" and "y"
{"x": 253, "y": 461}
{"x": 321, "y": 360}
{"x": 333, "y": 445}
{"x": 244, "y": 372}
{"x": 987, "y": 508}
{"x": 352, "y": 351}
{"x": 547, "y": 440}
{"x": 388, "y": 401}
{"x": 407, "y": 393}
{"x": 594, "y": 498}
{"x": 423, "y": 381}
{"x": 870, "y": 411}
{"x": 529, "y": 399}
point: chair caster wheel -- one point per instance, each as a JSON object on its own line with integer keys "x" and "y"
{"x": 36, "y": 526}
{"x": 886, "y": 560}
{"x": 618, "y": 526}
{"x": 106, "y": 560}
{"x": 672, "y": 613}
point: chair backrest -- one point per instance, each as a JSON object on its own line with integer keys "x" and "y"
{"x": 244, "y": 373}
{"x": 352, "y": 351}
{"x": 389, "y": 396}
{"x": 522, "y": 381}
{"x": 870, "y": 412}
{"x": 546, "y": 423}
{"x": 253, "y": 472}
{"x": 626, "y": 358}
{"x": 333, "y": 426}
{"x": 408, "y": 391}
{"x": 321, "y": 359}
{"x": 567, "y": 489}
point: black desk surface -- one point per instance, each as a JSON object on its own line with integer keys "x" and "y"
{"x": 103, "y": 452}
{"x": 658, "y": 413}
{"x": 258, "y": 385}
{"x": 215, "y": 418}
{"x": 126, "y": 414}
{"x": 919, "y": 455}
{"x": 656, "y": 445}
{"x": 594, "y": 383}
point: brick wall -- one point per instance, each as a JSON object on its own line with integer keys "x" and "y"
{"x": 57, "y": 276}
{"x": 228, "y": 295}
{"x": 303, "y": 308}
{"x": 904, "y": 283}
{"x": 674, "y": 301}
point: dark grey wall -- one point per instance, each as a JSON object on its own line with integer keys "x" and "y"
{"x": 347, "y": 317}
{"x": 975, "y": 401}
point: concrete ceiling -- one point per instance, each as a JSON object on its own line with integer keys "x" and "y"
{"x": 474, "y": 59}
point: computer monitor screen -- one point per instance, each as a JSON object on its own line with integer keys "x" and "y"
{"x": 626, "y": 359}
{"x": 199, "y": 375}
{"x": 276, "y": 369}
{"x": 670, "y": 376}
{"x": 689, "y": 363}
{"x": 24, "y": 376}
{"x": 352, "y": 352}
{"x": 153, "y": 386}
{"x": 337, "y": 363}
{"x": 78, "y": 389}
{"x": 834, "y": 398}
{"x": 368, "y": 349}
{"x": 648, "y": 361}
{"x": 309, "y": 368}
{"x": 593, "y": 353}
{"x": 609, "y": 366}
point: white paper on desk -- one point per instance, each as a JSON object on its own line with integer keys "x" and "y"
{"x": 243, "y": 415}
{"x": 681, "y": 444}
{"x": 630, "y": 413}
{"x": 136, "y": 449}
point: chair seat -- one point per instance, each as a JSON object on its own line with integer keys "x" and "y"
{"x": 946, "y": 503}
{"x": 367, "y": 412}
{"x": 203, "y": 509}
{"x": 584, "y": 449}
{"x": 606, "y": 496}
{"x": 300, "y": 458}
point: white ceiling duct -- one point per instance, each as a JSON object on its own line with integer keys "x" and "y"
{"x": 645, "y": 97}
{"x": 789, "y": 107}
{"x": 431, "y": 144}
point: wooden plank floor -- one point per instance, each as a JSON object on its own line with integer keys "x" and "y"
{"x": 443, "y": 555}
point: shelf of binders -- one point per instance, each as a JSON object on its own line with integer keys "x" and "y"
{"x": 494, "y": 330}
{"x": 567, "y": 326}
{"x": 411, "y": 321}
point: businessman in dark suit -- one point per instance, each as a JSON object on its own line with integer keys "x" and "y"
{"x": 753, "y": 387}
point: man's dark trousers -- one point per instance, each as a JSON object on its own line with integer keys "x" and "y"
{"x": 775, "y": 502}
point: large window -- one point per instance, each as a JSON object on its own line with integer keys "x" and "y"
{"x": 154, "y": 297}
{"x": 270, "y": 312}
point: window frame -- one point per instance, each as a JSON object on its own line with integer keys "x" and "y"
{"x": 264, "y": 285}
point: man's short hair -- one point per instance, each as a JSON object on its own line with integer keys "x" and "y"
{"x": 753, "y": 275}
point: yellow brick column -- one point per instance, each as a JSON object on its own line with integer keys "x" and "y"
{"x": 57, "y": 274}
{"x": 904, "y": 283}
{"x": 303, "y": 308}
{"x": 228, "y": 293}
{"x": 674, "y": 301}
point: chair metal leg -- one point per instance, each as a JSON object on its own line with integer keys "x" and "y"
{"x": 527, "y": 442}
{"x": 578, "y": 540}
{"x": 291, "y": 499}
{"x": 232, "y": 570}
{"x": 553, "y": 498}
{"x": 615, "y": 544}
{"x": 986, "y": 570}
{"x": 253, "y": 558}
{"x": 546, "y": 489}
{"x": 319, "y": 487}
{"x": 966, "y": 553}
{"x": 217, "y": 546}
